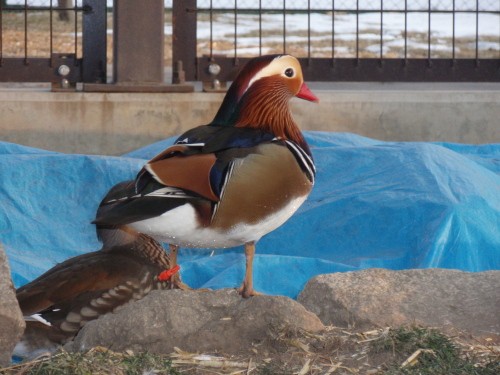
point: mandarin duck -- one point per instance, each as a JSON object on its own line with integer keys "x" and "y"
{"x": 84, "y": 287}
{"x": 232, "y": 181}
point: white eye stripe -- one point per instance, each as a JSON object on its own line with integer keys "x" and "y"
{"x": 267, "y": 71}
{"x": 279, "y": 65}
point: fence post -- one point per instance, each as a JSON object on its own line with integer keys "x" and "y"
{"x": 94, "y": 41}
{"x": 138, "y": 41}
{"x": 184, "y": 40}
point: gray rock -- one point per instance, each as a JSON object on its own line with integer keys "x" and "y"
{"x": 11, "y": 319}
{"x": 466, "y": 301}
{"x": 196, "y": 321}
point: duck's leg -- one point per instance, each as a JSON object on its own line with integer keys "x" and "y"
{"x": 174, "y": 249}
{"x": 246, "y": 290}
{"x": 175, "y": 281}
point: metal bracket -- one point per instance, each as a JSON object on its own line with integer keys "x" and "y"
{"x": 214, "y": 84}
{"x": 66, "y": 71}
{"x": 178, "y": 73}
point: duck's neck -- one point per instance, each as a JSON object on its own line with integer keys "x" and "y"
{"x": 151, "y": 250}
{"x": 266, "y": 107}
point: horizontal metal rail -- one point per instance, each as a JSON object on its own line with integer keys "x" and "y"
{"x": 371, "y": 69}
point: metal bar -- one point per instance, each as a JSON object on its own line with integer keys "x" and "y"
{"x": 333, "y": 31}
{"x": 357, "y": 32}
{"x": 37, "y": 8}
{"x": 235, "y": 29}
{"x": 38, "y": 70}
{"x": 308, "y": 30}
{"x": 26, "y": 32}
{"x": 76, "y": 32}
{"x": 406, "y": 32}
{"x": 381, "y": 31}
{"x": 453, "y": 35}
{"x": 260, "y": 27}
{"x": 184, "y": 39}
{"x": 369, "y": 70}
{"x": 211, "y": 30}
{"x": 1, "y": 33}
{"x": 279, "y": 10}
{"x": 51, "y": 30}
{"x": 477, "y": 31}
{"x": 94, "y": 41}
{"x": 284, "y": 26}
{"x": 429, "y": 35}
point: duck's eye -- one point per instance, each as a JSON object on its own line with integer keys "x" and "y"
{"x": 289, "y": 72}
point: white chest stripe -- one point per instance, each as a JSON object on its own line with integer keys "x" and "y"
{"x": 229, "y": 173}
{"x": 304, "y": 159}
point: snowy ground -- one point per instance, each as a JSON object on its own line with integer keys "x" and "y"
{"x": 333, "y": 34}
{"x": 342, "y": 26}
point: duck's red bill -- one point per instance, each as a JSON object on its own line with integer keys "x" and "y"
{"x": 306, "y": 94}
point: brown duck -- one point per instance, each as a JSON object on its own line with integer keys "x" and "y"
{"x": 84, "y": 287}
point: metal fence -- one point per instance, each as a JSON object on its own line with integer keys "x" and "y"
{"x": 336, "y": 40}
{"x": 349, "y": 40}
{"x": 45, "y": 41}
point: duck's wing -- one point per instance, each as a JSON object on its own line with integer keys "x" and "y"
{"x": 78, "y": 281}
{"x": 193, "y": 170}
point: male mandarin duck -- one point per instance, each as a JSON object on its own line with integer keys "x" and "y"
{"x": 232, "y": 181}
{"x": 84, "y": 287}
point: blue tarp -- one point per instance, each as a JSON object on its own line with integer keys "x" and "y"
{"x": 396, "y": 205}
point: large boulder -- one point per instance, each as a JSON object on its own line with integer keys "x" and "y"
{"x": 444, "y": 298}
{"x": 197, "y": 321}
{"x": 11, "y": 319}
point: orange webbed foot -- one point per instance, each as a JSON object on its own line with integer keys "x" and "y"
{"x": 247, "y": 292}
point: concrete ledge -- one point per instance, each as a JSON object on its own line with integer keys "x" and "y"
{"x": 115, "y": 123}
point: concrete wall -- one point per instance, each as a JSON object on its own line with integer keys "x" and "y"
{"x": 115, "y": 123}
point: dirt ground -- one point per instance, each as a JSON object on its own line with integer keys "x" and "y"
{"x": 37, "y": 42}
{"x": 341, "y": 351}
{"x": 404, "y": 350}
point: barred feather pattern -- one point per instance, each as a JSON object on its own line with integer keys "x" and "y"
{"x": 69, "y": 313}
{"x": 111, "y": 301}
{"x": 151, "y": 250}
{"x": 134, "y": 289}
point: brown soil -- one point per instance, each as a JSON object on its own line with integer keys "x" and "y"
{"x": 334, "y": 351}
{"x": 15, "y": 42}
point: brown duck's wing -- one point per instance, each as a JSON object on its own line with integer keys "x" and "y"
{"x": 79, "y": 278}
{"x": 70, "y": 315}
